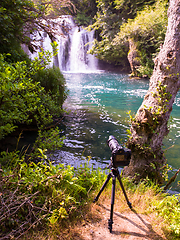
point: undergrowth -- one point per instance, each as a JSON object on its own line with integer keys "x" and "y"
{"x": 48, "y": 196}
{"x": 34, "y": 194}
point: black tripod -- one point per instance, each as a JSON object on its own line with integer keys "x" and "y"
{"x": 114, "y": 173}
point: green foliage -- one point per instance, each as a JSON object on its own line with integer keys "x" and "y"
{"x": 13, "y": 17}
{"x": 112, "y": 14}
{"x": 120, "y": 21}
{"x": 149, "y": 22}
{"x": 89, "y": 178}
{"x": 148, "y": 31}
{"x": 46, "y": 141}
{"x": 55, "y": 8}
{"x": 130, "y": 8}
{"x": 43, "y": 191}
{"x": 116, "y": 54}
{"x": 107, "y": 20}
{"x": 19, "y": 19}
{"x": 162, "y": 95}
{"x": 146, "y": 69}
{"x": 85, "y": 11}
{"x": 169, "y": 209}
{"x": 53, "y": 82}
{"x": 83, "y": 19}
{"x": 24, "y": 101}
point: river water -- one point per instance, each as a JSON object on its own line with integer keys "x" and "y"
{"x": 99, "y": 103}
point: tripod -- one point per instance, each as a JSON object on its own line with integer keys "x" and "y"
{"x": 113, "y": 174}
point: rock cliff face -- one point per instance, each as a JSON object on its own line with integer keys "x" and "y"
{"x": 133, "y": 57}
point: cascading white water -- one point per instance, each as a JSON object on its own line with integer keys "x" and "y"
{"x": 79, "y": 60}
{"x": 73, "y": 44}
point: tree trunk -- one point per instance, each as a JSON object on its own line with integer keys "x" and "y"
{"x": 150, "y": 123}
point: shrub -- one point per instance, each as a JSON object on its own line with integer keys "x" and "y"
{"x": 147, "y": 30}
{"x": 169, "y": 209}
{"x": 33, "y": 194}
{"x": 25, "y": 101}
{"x": 145, "y": 25}
{"x": 53, "y": 82}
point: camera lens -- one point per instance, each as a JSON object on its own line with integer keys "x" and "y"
{"x": 112, "y": 143}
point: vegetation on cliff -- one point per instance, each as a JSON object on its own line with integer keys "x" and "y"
{"x": 144, "y": 24}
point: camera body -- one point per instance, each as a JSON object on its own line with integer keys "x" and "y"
{"x": 120, "y": 156}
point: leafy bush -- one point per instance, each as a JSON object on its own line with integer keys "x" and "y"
{"x": 46, "y": 142}
{"x": 25, "y": 101}
{"x": 53, "y": 82}
{"x": 117, "y": 54}
{"x": 120, "y": 21}
{"x": 85, "y": 11}
{"x": 147, "y": 30}
{"x": 131, "y": 7}
{"x": 151, "y": 22}
{"x": 32, "y": 194}
{"x": 14, "y": 16}
{"x": 169, "y": 209}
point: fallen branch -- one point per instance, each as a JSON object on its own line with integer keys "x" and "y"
{"x": 18, "y": 214}
{"x": 172, "y": 179}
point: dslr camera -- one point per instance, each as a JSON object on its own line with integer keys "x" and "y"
{"x": 120, "y": 156}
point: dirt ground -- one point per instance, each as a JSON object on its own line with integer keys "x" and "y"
{"x": 128, "y": 226}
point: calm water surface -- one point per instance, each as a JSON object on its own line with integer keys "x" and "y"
{"x": 99, "y": 103}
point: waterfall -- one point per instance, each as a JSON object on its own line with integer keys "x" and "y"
{"x": 73, "y": 44}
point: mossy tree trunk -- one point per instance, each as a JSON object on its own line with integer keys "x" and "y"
{"x": 150, "y": 123}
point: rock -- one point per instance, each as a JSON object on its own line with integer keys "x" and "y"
{"x": 133, "y": 57}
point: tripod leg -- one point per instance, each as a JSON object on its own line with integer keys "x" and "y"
{"x": 127, "y": 200}
{"x": 110, "y": 221}
{"x": 102, "y": 188}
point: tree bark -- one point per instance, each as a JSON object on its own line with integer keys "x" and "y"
{"x": 150, "y": 123}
